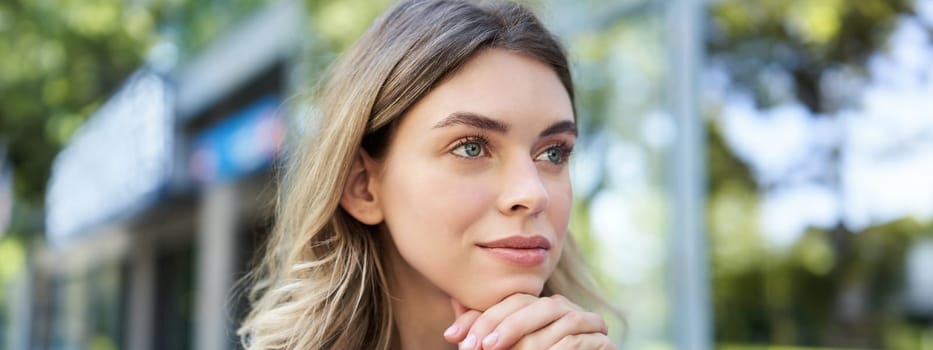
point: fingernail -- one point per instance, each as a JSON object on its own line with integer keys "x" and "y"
{"x": 451, "y": 331}
{"x": 469, "y": 342}
{"x": 491, "y": 339}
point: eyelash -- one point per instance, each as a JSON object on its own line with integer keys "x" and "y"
{"x": 565, "y": 150}
{"x": 477, "y": 139}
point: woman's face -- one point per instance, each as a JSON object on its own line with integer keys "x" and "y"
{"x": 474, "y": 187}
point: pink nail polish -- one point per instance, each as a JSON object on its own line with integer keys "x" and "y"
{"x": 469, "y": 342}
{"x": 491, "y": 339}
{"x": 451, "y": 330}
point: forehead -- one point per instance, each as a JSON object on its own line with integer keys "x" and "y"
{"x": 504, "y": 85}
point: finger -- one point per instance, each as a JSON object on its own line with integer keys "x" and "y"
{"x": 527, "y": 320}
{"x": 493, "y": 316}
{"x": 457, "y": 332}
{"x": 589, "y": 341}
{"x": 462, "y": 323}
{"x": 459, "y": 309}
{"x": 571, "y": 323}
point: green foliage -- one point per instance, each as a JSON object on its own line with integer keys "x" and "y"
{"x": 58, "y": 61}
{"x": 832, "y": 287}
{"x": 800, "y": 37}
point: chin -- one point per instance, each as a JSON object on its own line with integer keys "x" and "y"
{"x": 491, "y": 294}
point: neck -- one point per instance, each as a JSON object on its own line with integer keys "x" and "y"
{"x": 421, "y": 310}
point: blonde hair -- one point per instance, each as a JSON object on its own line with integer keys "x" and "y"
{"x": 321, "y": 283}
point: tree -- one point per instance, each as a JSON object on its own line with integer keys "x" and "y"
{"x": 832, "y": 286}
{"x": 58, "y": 62}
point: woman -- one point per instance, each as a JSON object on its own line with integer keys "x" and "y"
{"x": 431, "y": 207}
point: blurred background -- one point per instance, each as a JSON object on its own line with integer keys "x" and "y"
{"x": 751, "y": 174}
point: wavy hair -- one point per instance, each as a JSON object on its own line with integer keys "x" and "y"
{"x": 321, "y": 283}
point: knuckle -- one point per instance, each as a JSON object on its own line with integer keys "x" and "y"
{"x": 548, "y": 302}
{"x": 559, "y": 298}
{"x": 576, "y": 317}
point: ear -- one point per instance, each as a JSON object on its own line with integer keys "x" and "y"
{"x": 359, "y": 198}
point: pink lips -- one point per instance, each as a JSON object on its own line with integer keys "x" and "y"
{"x": 520, "y": 250}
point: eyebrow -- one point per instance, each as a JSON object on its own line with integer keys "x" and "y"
{"x": 560, "y": 127}
{"x": 482, "y": 122}
{"x": 473, "y": 120}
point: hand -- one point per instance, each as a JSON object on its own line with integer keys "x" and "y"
{"x": 523, "y": 321}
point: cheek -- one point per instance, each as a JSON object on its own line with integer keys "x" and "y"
{"x": 559, "y": 205}
{"x": 429, "y": 212}
{"x": 431, "y": 202}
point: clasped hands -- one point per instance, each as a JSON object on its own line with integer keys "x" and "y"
{"x": 523, "y": 321}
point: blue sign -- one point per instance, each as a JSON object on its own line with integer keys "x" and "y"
{"x": 246, "y": 142}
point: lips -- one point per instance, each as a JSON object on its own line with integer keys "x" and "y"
{"x": 519, "y": 242}
{"x": 528, "y": 251}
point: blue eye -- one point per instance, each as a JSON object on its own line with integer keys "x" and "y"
{"x": 471, "y": 148}
{"x": 557, "y": 154}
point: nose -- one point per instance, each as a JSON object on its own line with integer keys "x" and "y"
{"x": 522, "y": 191}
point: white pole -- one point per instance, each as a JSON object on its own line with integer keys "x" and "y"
{"x": 216, "y": 239}
{"x": 689, "y": 279}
